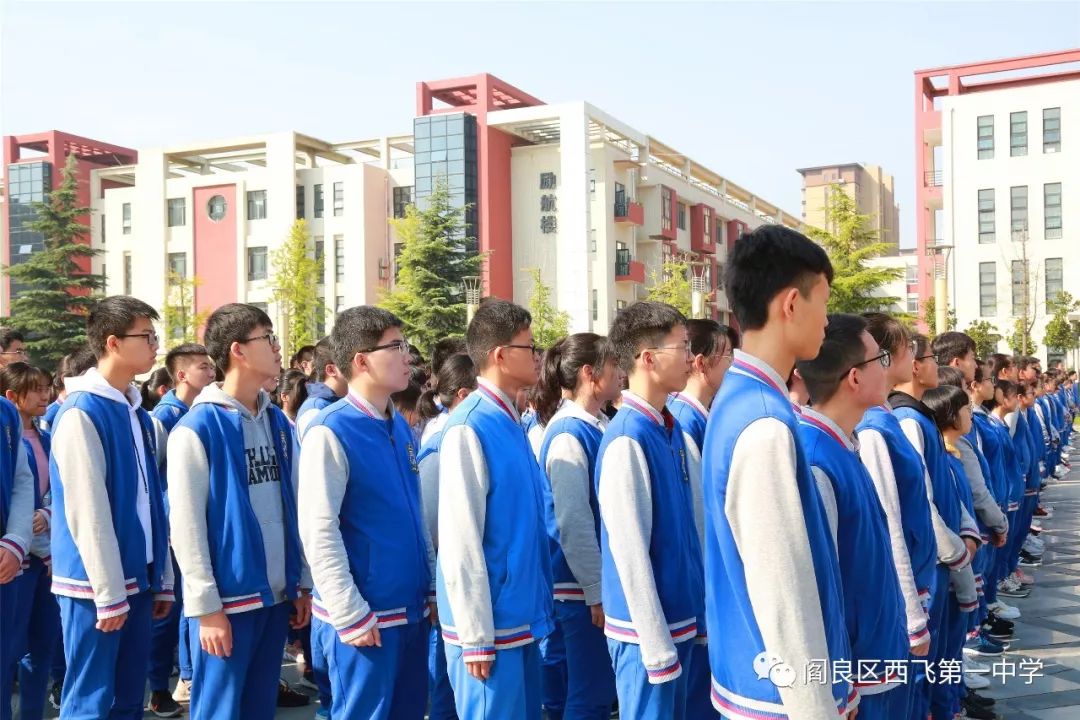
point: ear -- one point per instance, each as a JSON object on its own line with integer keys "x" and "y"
{"x": 359, "y": 364}
{"x": 112, "y": 344}
{"x": 787, "y": 301}
{"x": 10, "y": 395}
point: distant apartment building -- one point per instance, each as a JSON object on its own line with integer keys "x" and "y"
{"x": 868, "y": 185}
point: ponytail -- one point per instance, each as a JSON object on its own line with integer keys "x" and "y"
{"x": 456, "y": 373}
{"x": 562, "y": 364}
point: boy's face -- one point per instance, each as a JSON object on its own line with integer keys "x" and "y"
{"x": 926, "y": 371}
{"x": 16, "y": 352}
{"x": 137, "y": 349}
{"x": 261, "y": 354}
{"x": 966, "y": 365}
{"x": 518, "y": 361}
{"x": 197, "y": 371}
{"x": 809, "y": 318}
{"x": 901, "y": 369}
{"x": 873, "y": 378}
{"x": 388, "y": 368}
{"x": 670, "y": 361}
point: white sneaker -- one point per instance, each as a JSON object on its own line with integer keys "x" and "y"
{"x": 973, "y": 666}
{"x": 975, "y": 682}
{"x": 1060, "y": 472}
{"x": 182, "y": 693}
{"x": 1008, "y": 584}
{"x": 1033, "y": 546}
{"x": 1004, "y": 611}
{"x": 1036, "y": 527}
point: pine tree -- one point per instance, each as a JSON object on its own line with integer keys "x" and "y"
{"x": 549, "y": 324}
{"x": 52, "y": 291}
{"x": 985, "y": 336}
{"x": 672, "y": 284}
{"x": 850, "y": 242}
{"x": 179, "y": 317}
{"x": 296, "y": 277}
{"x": 428, "y": 295}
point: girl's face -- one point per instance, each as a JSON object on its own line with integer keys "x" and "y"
{"x": 34, "y": 402}
{"x": 1010, "y": 403}
{"x": 963, "y": 420}
{"x": 607, "y": 385}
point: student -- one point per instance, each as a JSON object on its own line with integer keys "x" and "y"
{"x": 652, "y": 569}
{"x": 956, "y": 533}
{"x": 1004, "y": 404}
{"x": 362, "y": 528}
{"x": 582, "y": 366}
{"x": 233, "y": 510}
{"x": 327, "y": 386}
{"x": 303, "y": 360}
{"x": 190, "y": 370}
{"x": 111, "y": 567}
{"x": 12, "y": 347}
{"x": 154, "y": 388}
{"x": 494, "y": 576}
{"x": 443, "y": 351}
{"x": 71, "y": 365}
{"x": 763, "y": 531}
{"x": 1032, "y": 545}
{"x": 292, "y": 392}
{"x": 22, "y": 568}
{"x": 713, "y": 346}
{"x": 847, "y": 378}
{"x": 455, "y": 381}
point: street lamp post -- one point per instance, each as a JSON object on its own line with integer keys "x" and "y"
{"x": 940, "y": 253}
{"x": 472, "y": 285}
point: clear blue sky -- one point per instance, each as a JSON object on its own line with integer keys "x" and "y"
{"x": 752, "y": 90}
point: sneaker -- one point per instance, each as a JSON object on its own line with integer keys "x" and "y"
{"x": 54, "y": 695}
{"x": 1008, "y": 583}
{"x": 980, "y": 699}
{"x": 976, "y": 711}
{"x": 997, "y": 623}
{"x": 1034, "y": 545}
{"x": 1024, "y": 580}
{"x": 984, "y": 649}
{"x": 1004, "y": 611}
{"x": 1029, "y": 560}
{"x": 292, "y": 652}
{"x": 975, "y": 682}
{"x": 998, "y": 632}
{"x": 307, "y": 681}
{"x": 289, "y": 698}
{"x": 182, "y": 693}
{"x": 1036, "y": 528}
{"x": 162, "y": 705}
{"x": 1041, "y": 512}
{"x": 1014, "y": 592}
{"x": 974, "y": 667}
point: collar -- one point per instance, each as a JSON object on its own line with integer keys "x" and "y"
{"x": 751, "y": 366}
{"x": 692, "y": 402}
{"x": 663, "y": 418}
{"x": 569, "y": 408}
{"x": 827, "y": 426}
{"x": 491, "y": 392}
{"x": 978, "y": 409}
{"x": 361, "y": 404}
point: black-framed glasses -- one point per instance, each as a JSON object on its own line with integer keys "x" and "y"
{"x": 685, "y": 348}
{"x": 151, "y": 337}
{"x": 885, "y": 359}
{"x": 402, "y": 347}
{"x": 20, "y": 353}
{"x": 536, "y": 349}
{"x": 269, "y": 337}
{"x": 920, "y": 358}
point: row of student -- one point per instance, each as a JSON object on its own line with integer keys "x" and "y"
{"x": 494, "y": 580}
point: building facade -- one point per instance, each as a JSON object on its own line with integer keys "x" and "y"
{"x": 999, "y": 188}
{"x": 868, "y": 185}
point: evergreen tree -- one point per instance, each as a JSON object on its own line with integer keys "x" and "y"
{"x": 850, "y": 242}
{"x": 297, "y": 275}
{"x": 428, "y": 295}
{"x": 52, "y": 291}
{"x": 672, "y": 284}
{"x": 549, "y": 324}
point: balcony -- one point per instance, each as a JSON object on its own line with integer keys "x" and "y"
{"x": 932, "y": 178}
{"x": 629, "y": 212}
{"x": 702, "y": 229}
{"x": 627, "y": 270}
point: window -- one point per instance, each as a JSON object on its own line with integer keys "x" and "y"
{"x": 1017, "y": 134}
{"x": 320, "y": 258}
{"x": 595, "y": 305}
{"x": 682, "y": 216}
{"x": 620, "y": 195}
{"x": 256, "y": 205}
{"x": 913, "y": 304}
{"x": 177, "y": 265}
{"x": 300, "y": 209}
{"x": 256, "y": 262}
{"x": 102, "y": 229}
{"x": 339, "y": 258}
{"x": 127, "y": 273}
{"x": 1019, "y": 207}
{"x": 339, "y": 198}
{"x": 320, "y": 317}
{"x": 1054, "y": 282}
{"x": 1019, "y": 287}
{"x": 986, "y": 137}
{"x": 339, "y": 302}
{"x": 1052, "y": 211}
{"x": 1052, "y": 130}
{"x": 215, "y": 208}
{"x": 177, "y": 212}
{"x": 911, "y": 274}
{"x": 402, "y": 199}
{"x": 986, "y": 216}
{"x": 987, "y": 289}
{"x": 665, "y": 208}
{"x": 318, "y": 201}
{"x": 127, "y": 218}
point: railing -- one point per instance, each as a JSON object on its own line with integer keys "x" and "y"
{"x": 622, "y": 262}
{"x": 932, "y": 178}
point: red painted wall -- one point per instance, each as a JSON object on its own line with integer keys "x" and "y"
{"x": 496, "y": 224}
{"x": 215, "y": 248}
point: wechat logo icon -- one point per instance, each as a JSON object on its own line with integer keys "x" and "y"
{"x": 772, "y": 667}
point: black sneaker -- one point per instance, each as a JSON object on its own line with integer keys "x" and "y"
{"x": 974, "y": 710}
{"x": 54, "y": 695}
{"x": 1029, "y": 560}
{"x": 978, "y": 699}
{"x": 994, "y": 620}
{"x": 162, "y": 704}
{"x": 289, "y": 698}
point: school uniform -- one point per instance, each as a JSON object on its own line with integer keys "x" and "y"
{"x": 371, "y": 562}
{"x": 233, "y": 505}
{"x": 1013, "y": 488}
{"x": 763, "y": 531}
{"x": 494, "y": 575}
{"x": 873, "y": 605}
{"x": 568, "y": 458}
{"x": 109, "y": 542}
{"x": 989, "y": 516}
{"x": 47, "y": 420}
{"x": 652, "y": 571}
{"x": 17, "y": 500}
{"x": 693, "y": 417}
{"x": 961, "y": 620}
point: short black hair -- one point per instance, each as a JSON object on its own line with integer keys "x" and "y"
{"x": 358, "y": 329}
{"x": 842, "y": 349}
{"x": 763, "y": 263}
{"x": 114, "y": 316}
{"x": 179, "y": 354}
{"x": 228, "y": 324}
{"x": 948, "y": 375}
{"x": 945, "y": 403}
{"x": 643, "y": 324}
{"x": 444, "y": 349}
{"x": 8, "y": 336}
{"x": 705, "y": 336}
{"x": 999, "y": 362}
{"x": 495, "y": 323}
{"x": 952, "y": 345}
{"x": 922, "y": 345}
{"x": 888, "y": 332}
{"x": 324, "y": 355}
{"x": 1027, "y": 361}
{"x": 299, "y": 356}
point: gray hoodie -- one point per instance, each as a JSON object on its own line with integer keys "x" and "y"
{"x": 189, "y": 487}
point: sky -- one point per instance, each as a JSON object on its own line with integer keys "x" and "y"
{"x": 751, "y": 90}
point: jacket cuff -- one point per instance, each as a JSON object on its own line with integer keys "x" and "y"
{"x": 359, "y": 628}
{"x": 15, "y": 545}
{"x": 165, "y": 595}
{"x": 918, "y": 638}
{"x": 593, "y": 596}
{"x": 478, "y": 653}
{"x": 667, "y": 673}
{"x": 112, "y": 610}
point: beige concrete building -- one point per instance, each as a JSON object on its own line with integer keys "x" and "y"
{"x": 870, "y": 187}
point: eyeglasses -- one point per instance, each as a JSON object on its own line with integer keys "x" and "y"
{"x": 151, "y": 337}
{"x": 885, "y": 358}
{"x": 536, "y": 349}
{"x": 401, "y": 345}
{"x": 20, "y": 353}
{"x": 914, "y": 345}
{"x": 920, "y": 358}
{"x": 685, "y": 348}
{"x": 269, "y": 337}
